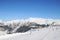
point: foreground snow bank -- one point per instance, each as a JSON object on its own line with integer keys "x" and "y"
{"x": 50, "y": 33}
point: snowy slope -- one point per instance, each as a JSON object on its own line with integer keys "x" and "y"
{"x": 52, "y": 32}
{"x": 38, "y": 34}
{"x": 13, "y": 25}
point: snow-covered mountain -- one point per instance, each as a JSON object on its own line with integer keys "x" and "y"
{"x": 23, "y": 25}
{"x": 36, "y": 20}
{"x": 30, "y": 29}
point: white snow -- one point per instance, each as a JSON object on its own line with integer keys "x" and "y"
{"x": 50, "y": 33}
{"x": 36, "y": 20}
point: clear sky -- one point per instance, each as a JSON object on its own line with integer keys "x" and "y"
{"x": 16, "y": 9}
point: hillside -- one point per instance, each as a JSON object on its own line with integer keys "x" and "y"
{"x": 32, "y": 29}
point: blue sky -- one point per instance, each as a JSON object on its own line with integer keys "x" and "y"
{"x": 16, "y": 9}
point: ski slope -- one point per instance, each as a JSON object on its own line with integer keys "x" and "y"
{"x": 50, "y": 33}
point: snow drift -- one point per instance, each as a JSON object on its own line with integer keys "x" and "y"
{"x": 38, "y": 34}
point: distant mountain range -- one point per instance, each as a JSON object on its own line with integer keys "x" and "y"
{"x": 23, "y": 25}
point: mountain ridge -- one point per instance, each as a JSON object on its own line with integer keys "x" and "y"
{"x": 39, "y": 20}
{"x": 23, "y": 25}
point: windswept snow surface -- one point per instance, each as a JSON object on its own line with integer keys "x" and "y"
{"x": 50, "y": 33}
